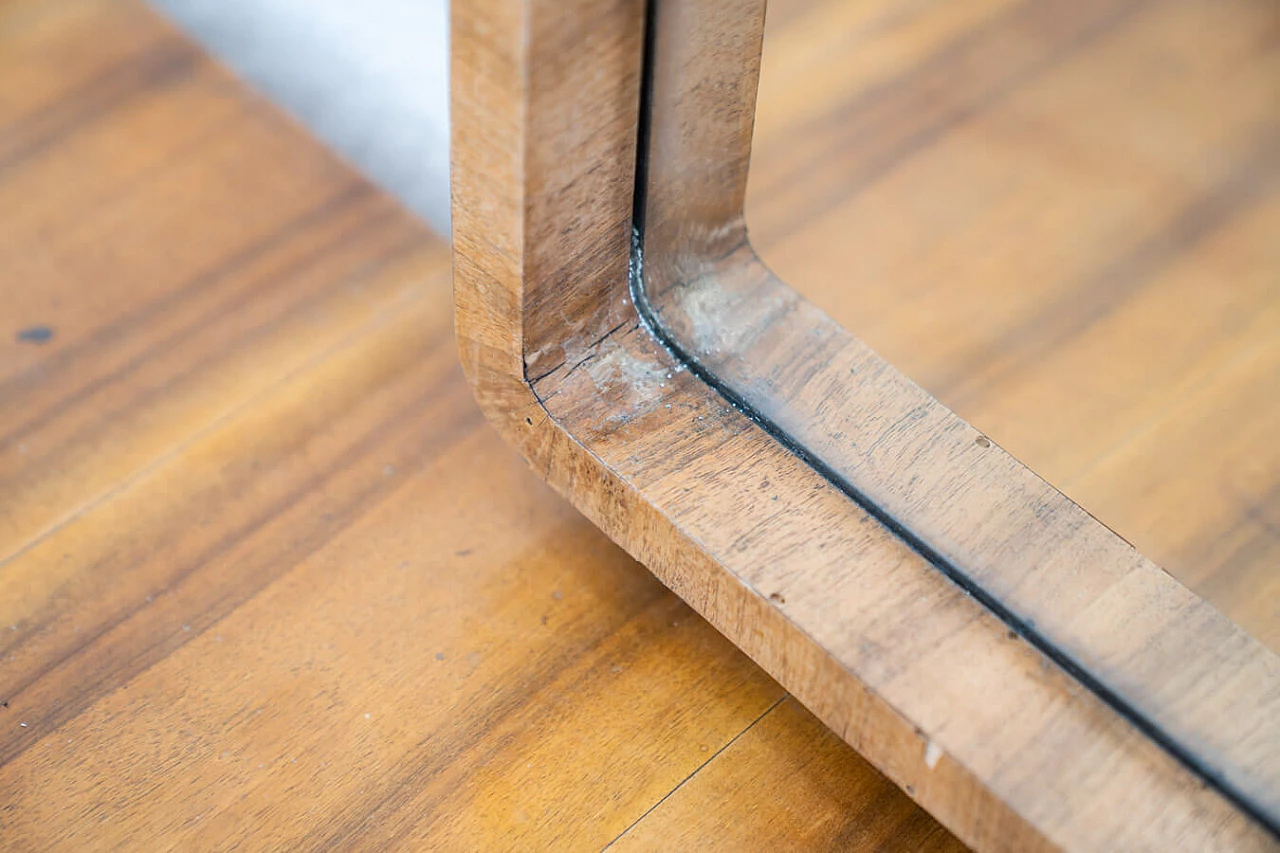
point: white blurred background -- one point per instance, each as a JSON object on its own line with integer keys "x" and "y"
{"x": 367, "y": 77}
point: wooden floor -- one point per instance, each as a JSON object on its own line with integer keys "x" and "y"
{"x": 1063, "y": 220}
{"x": 267, "y": 578}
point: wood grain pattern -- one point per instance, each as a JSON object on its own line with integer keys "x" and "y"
{"x": 1081, "y": 232}
{"x": 1176, "y": 666}
{"x": 861, "y": 627}
{"x": 789, "y": 752}
{"x": 266, "y": 577}
{"x": 286, "y": 566}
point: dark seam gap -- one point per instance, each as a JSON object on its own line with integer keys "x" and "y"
{"x": 542, "y": 376}
{"x": 1023, "y": 627}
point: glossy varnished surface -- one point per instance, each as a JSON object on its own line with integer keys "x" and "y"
{"x": 1064, "y": 580}
{"x": 265, "y": 575}
{"x": 1061, "y": 219}
{"x": 987, "y": 732}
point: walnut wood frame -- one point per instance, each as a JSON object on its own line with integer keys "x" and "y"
{"x": 1012, "y": 664}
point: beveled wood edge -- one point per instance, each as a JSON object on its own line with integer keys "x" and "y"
{"x": 654, "y": 457}
{"x": 1184, "y": 673}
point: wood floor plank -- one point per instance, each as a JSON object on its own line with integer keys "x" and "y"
{"x": 266, "y": 578}
{"x": 45, "y": 71}
{"x": 792, "y": 750}
{"x": 1080, "y": 260}
{"x": 247, "y": 501}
